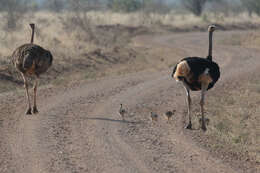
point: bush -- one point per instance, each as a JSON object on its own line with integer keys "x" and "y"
{"x": 125, "y": 5}
{"x": 194, "y": 6}
{"x": 252, "y": 6}
{"x": 15, "y": 10}
{"x": 77, "y": 18}
{"x": 55, "y": 5}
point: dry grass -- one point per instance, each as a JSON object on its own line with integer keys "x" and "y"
{"x": 173, "y": 18}
{"x": 253, "y": 40}
{"x": 75, "y": 57}
{"x": 52, "y": 34}
{"x": 233, "y": 130}
{"x": 235, "y": 118}
{"x": 249, "y": 40}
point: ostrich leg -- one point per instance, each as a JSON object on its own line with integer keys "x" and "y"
{"x": 203, "y": 91}
{"x": 35, "y": 110}
{"x": 189, "y": 126}
{"x": 28, "y": 112}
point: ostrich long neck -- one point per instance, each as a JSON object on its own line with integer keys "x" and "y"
{"x": 210, "y": 46}
{"x": 32, "y": 35}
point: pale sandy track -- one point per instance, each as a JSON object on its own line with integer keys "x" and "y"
{"x": 79, "y": 129}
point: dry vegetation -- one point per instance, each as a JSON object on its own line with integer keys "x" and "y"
{"x": 250, "y": 40}
{"x": 235, "y": 119}
{"x": 173, "y": 18}
{"x": 76, "y": 56}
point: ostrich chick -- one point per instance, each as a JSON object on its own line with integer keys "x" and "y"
{"x": 154, "y": 117}
{"x": 169, "y": 114}
{"x": 122, "y": 112}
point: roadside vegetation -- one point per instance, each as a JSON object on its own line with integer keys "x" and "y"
{"x": 234, "y": 118}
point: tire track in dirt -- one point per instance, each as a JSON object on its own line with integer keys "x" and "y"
{"x": 183, "y": 149}
{"x": 35, "y": 141}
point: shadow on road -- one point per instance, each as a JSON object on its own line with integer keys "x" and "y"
{"x": 116, "y": 121}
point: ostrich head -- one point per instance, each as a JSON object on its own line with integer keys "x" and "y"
{"x": 32, "y": 25}
{"x": 211, "y": 28}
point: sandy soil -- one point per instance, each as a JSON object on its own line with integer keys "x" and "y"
{"x": 79, "y": 129}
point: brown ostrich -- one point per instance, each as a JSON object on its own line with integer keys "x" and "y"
{"x": 31, "y": 60}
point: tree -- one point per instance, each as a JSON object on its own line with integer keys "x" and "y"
{"x": 252, "y": 6}
{"x": 15, "y": 10}
{"x": 55, "y": 5}
{"x": 194, "y": 6}
{"x": 125, "y": 5}
{"x": 78, "y": 18}
{"x": 158, "y": 6}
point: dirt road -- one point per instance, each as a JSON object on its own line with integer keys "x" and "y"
{"x": 79, "y": 129}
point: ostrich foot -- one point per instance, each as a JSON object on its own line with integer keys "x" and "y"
{"x": 203, "y": 127}
{"x": 29, "y": 111}
{"x": 189, "y": 126}
{"x": 35, "y": 110}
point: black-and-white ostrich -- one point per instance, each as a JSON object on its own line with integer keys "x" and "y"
{"x": 31, "y": 60}
{"x": 198, "y": 74}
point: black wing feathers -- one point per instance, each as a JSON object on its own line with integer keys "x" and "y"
{"x": 174, "y": 70}
{"x": 198, "y": 66}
